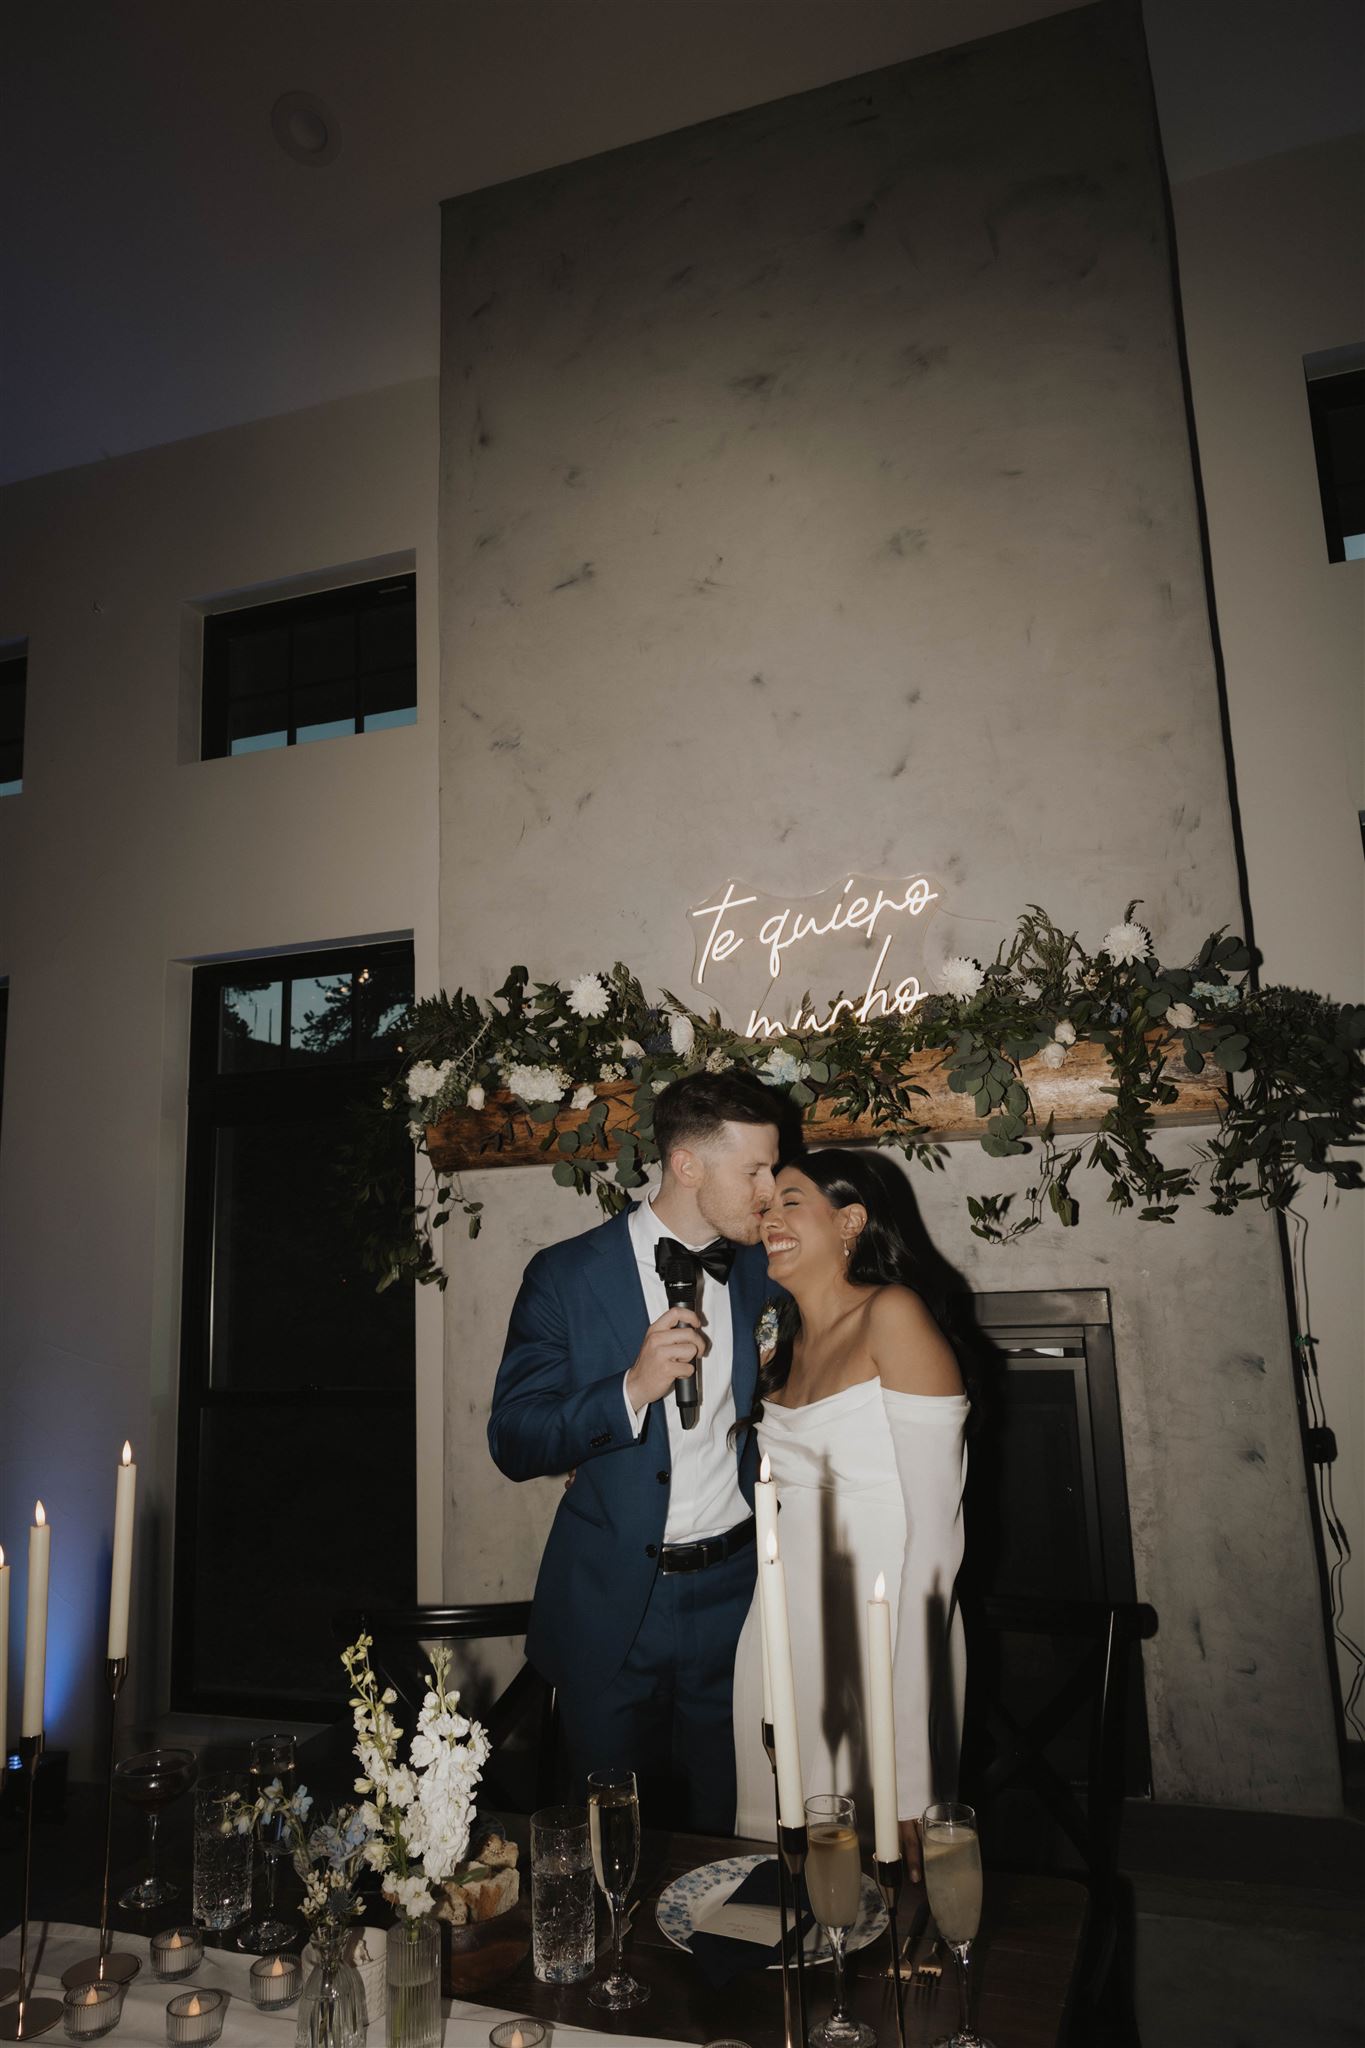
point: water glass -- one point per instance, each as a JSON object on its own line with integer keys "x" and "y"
{"x": 563, "y": 1943}
{"x": 222, "y": 1862}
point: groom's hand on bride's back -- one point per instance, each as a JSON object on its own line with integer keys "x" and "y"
{"x": 669, "y": 1352}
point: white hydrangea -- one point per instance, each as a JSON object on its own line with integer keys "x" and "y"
{"x": 1064, "y": 1031}
{"x": 425, "y": 1080}
{"x": 537, "y": 1084}
{"x": 475, "y": 1097}
{"x": 960, "y": 977}
{"x": 1053, "y": 1053}
{"x": 584, "y": 1097}
{"x": 612, "y": 1071}
{"x": 781, "y": 1068}
{"x": 1219, "y": 993}
{"x": 1181, "y": 1017}
{"x": 718, "y": 1062}
{"x": 589, "y": 996}
{"x": 681, "y": 1035}
{"x": 1126, "y": 943}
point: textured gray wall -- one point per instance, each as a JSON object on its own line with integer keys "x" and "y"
{"x": 816, "y": 498}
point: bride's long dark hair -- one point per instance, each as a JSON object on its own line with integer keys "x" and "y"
{"x": 881, "y": 1255}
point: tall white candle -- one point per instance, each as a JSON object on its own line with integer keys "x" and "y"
{"x": 121, "y": 1575}
{"x": 882, "y": 1724}
{"x": 35, "y": 1625}
{"x": 4, "y": 1660}
{"x": 765, "y": 1516}
{"x": 786, "y": 1740}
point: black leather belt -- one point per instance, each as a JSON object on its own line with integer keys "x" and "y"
{"x": 695, "y": 1557}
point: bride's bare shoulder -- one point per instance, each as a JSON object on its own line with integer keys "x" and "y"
{"x": 912, "y": 1354}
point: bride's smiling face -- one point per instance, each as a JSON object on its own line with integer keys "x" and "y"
{"x": 805, "y": 1236}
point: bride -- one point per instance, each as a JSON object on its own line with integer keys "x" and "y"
{"x": 861, "y": 1411}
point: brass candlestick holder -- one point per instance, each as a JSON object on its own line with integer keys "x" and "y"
{"x": 890, "y": 1877}
{"x": 9, "y": 1979}
{"x": 107, "y": 1966}
{"x": 794, "y": 1844}
{"x": 28, "y": 2017}
{"x": 770, "y": 1745}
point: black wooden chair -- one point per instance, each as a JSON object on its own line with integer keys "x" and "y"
{"x": 523, "y": 1770}
{"x": 1006, "y": 1752}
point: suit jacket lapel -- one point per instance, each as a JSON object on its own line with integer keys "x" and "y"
{"x": 614, "y": 1278}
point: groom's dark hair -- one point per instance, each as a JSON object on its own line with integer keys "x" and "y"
{"x": 695, "y": 1109}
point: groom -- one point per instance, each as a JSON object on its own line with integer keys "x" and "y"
{"x": 649, "y": 1568}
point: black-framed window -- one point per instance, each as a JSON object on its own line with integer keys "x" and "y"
{"x": 297, "y": 1438}
{"x": 311, "y": 668}
{"x": 1336, "y": 407}
{"x": 13, "y": 692}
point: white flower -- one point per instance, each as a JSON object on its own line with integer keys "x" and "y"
{"x": 1053, "y": 1053}
{"x": 631, "y": 1049}
{"x": 718, "y": 1062}
{"x": 681, "y": 1034}
{"x": 1126, "y": 943}
{"x": 475, "y": 1097}
{"x": 659, "y": 1083}
{"x": 584, "y": 1097}
{"x": 1181, "y": 1017}
{"x": 960, "y": 977}
{"x": 411, "y": 1895}
{"x": 416, "y": 1132}
{"x": 1219, "y": 994}
{"x": 537, "y": 1084}
{"x": 424, "y": 1080}
{"x": 1064, "y": 1032}
{"x": 612, "y": 1071}
{"x": 780, "y": 1068}
{"x": 589, "y": 996}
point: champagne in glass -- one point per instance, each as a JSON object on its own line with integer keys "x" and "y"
{"x": 834, "y": 1883}
{"x": 274, "y": 1761}
{"x": 952, "y": 1878}
{"x": 614, "y": 1832}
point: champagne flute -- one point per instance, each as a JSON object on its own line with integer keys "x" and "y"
{"x": 273, "y": 1759}
{"x": 952, "y": 1877}
{"x": 614, "y": 1830}
{"x": 834, "y": 1885}
{"x": 151, "y": 1780}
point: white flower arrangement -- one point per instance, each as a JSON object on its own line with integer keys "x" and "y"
{"x": 426, "y": 1081}
{"x": 960, "y": 977}
{"x": 1181, "y": 1017}
{"x": 780, "y": 1069}
{"x": 1126, "y": 943}
{"x": 1064, "y": 1031}
{"x": 589, "y": 996}
{"x": 1053, "y": 1053}
{"x": 631, "y": 1049}
{"x": 537, "y": 1084}
{"x": 419, "y": 1814}
{"x": 584, "y": 1097}
{"x": 681, "y": 1034}
{"x": 1219, "y": 994}
{"x": 475, "y": 1097}
{"x": 612, "y": 1070}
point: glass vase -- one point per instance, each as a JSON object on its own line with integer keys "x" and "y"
{"x": 332, "y": 2005}
{"x": 414, "y": 1984}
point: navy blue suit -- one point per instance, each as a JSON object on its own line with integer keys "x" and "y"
{"x": 642, "y": 1661}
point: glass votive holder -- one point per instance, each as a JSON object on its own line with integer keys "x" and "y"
{"x": 195, "y": 2019}
{"x": 89, "y": 2010}
{"x": 276, "y": 1982}
{"x": 517, "y": 2034}
{"x": 176, "y": 1952}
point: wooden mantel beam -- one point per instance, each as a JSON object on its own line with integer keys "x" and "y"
{"x": 1073, "y": 1095}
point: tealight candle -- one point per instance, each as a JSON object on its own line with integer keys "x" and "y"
{"x": 517, "y": 2034}
{"x": 195, "y": 2019}
{"x": 275, "y": 1982}
{"x": 177, "y": 1952}
{"x": 89, "y": 2010}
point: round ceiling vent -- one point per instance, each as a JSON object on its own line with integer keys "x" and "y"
{"x": 305, "y": 129}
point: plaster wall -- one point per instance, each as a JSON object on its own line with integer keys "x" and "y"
{"x": 1270, "y": 265}
{"x": 816, "y": 498}
{"x": 123, "y": 860}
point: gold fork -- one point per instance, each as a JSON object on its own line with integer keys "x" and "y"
{"x": 925, "y": 1974}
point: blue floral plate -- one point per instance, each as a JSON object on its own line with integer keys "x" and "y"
{"x": 689, "y": 1898}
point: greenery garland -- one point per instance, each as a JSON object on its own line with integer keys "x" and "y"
{"x": 1298, "y": 1098}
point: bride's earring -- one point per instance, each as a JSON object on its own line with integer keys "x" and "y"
{"x": 848, "y": 1246}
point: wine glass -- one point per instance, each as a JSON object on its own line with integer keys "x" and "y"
{"x": 834, "y": 1886}
{"x": 951, "y": 1850}
{"x": 614, "y": 1830}
{"x": 273, "y": 1760}
{"x": 151, "y": 1780}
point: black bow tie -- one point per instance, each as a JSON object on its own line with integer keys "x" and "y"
{"x": 715, "y": 1258}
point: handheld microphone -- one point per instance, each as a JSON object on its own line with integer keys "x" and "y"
{"x": 678, "y": 1270}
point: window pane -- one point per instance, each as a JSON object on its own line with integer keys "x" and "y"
{"x": 300, "y": 1511}
{"x": 388, "y": 636}
{"x": 291, "y": 1305}
{"x": 320, "y": 1018}
{"x": 258, "y": 660}
{"x": 258, "y": 722}
{"x": 12, "y": 679}
{"x": 324, "y": 649}
{"x": 383, "y": 997}
{"x": 382, "y": 721}
{"x": 250, "y": 1027}
{"x": 394, "y": 690}
{"x": 324, "y": 711}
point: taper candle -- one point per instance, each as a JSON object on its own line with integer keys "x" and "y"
{"x": 121, "y": 1574}
{"x": 4, "y": 1660}
{"x": 882, "y": 1724}
{"x": 765, "y": 1519}
{"x": 791, "y": 1802}
{"x": 35, "y": 1623}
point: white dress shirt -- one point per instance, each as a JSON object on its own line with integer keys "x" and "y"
{"x": 704, "y": 1498}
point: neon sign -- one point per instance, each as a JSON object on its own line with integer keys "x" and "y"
{"x": 747, "y": 942}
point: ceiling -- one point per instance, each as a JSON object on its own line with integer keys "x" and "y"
{"x": 168, "y": 270}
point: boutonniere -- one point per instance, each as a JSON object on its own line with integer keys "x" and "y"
{"x": 765, "y": 1333}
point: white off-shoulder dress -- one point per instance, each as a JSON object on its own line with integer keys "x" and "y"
{"x": 869, "y": 1481}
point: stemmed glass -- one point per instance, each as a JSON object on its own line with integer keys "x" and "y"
{"x": 952, "y": 1877}
{"x": 273, "y": 1759}
{"x": 614, "y": 1830}
{"x": 153, "y": 1779}
{"x": 834, "y": 1885}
